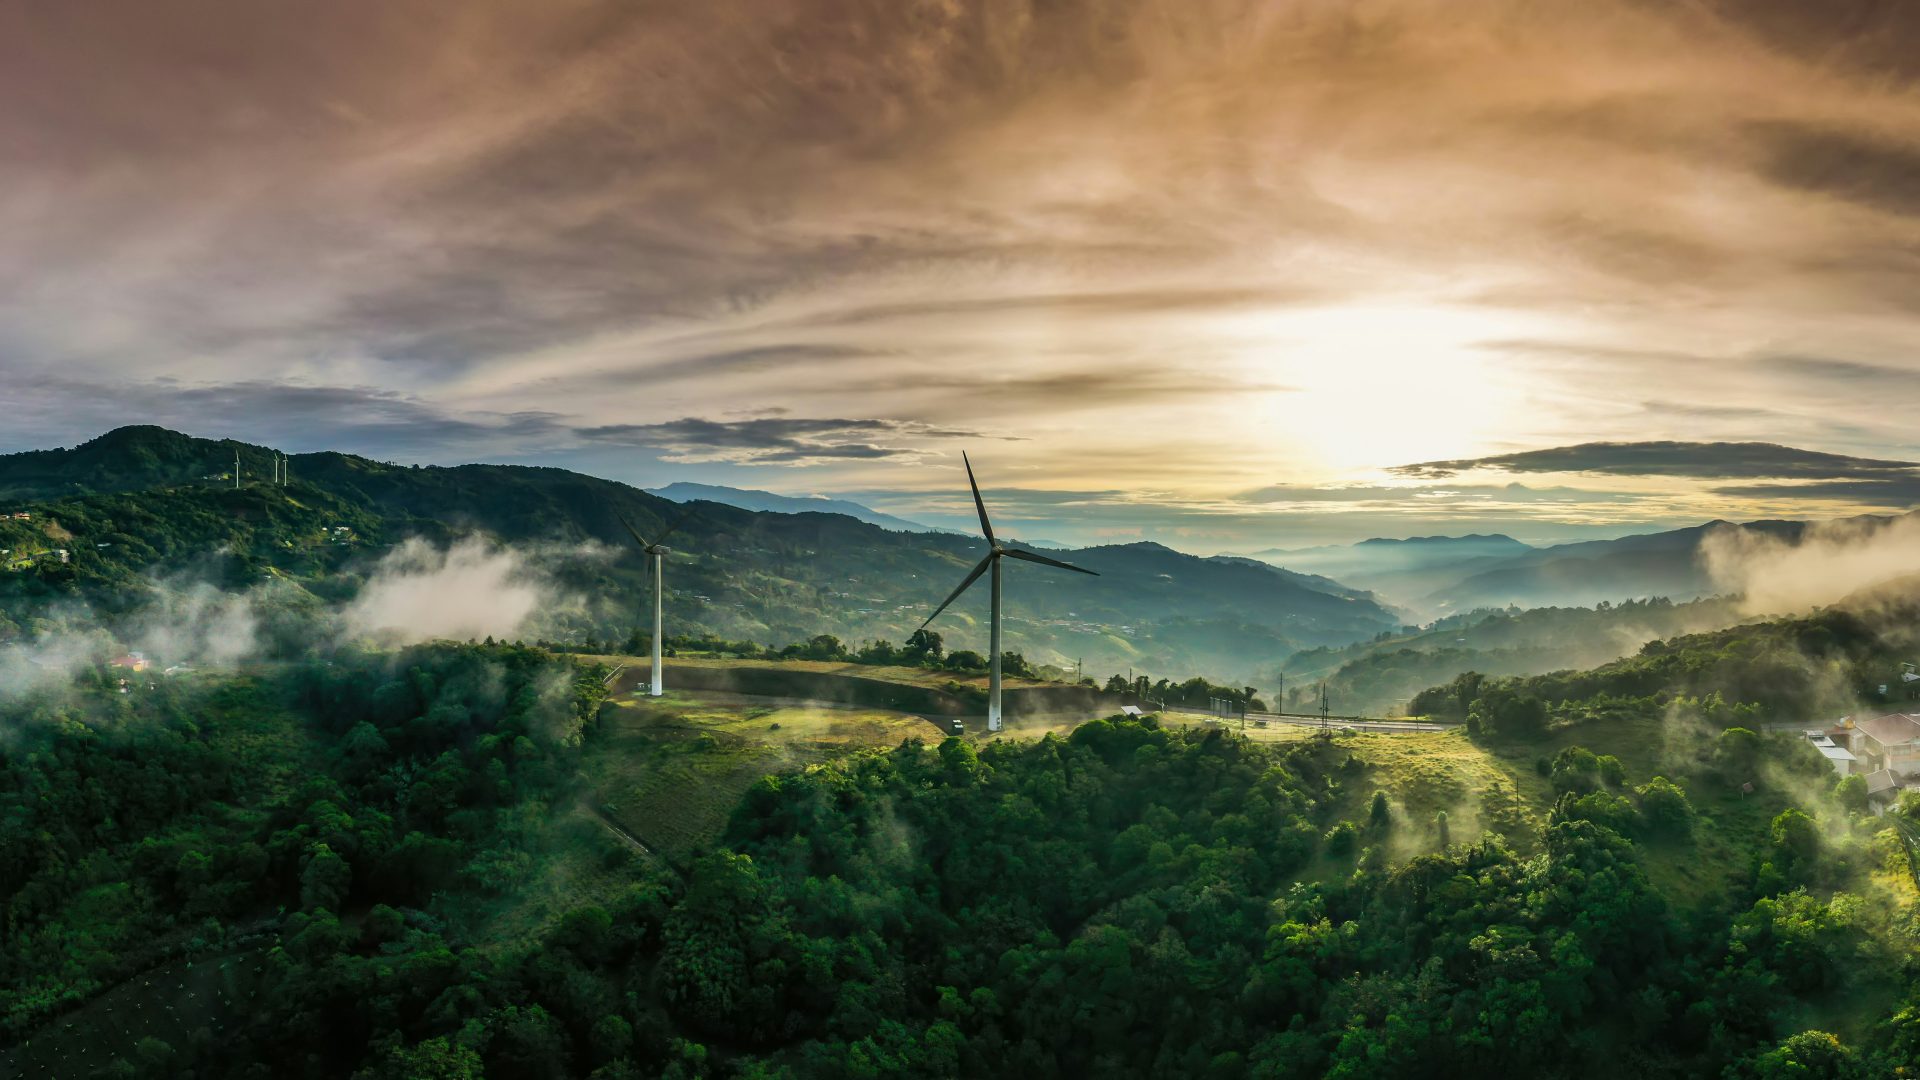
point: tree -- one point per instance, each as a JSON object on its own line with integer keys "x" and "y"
{"x": 1341, "y": 838}
{"x": 1794, "y": 853}
{"x": 879, "y": 651}
{"x": 1380, "y": 816}
{"x": 1453, "y": 700}
{"x": 1737, "y": 750}
{"x": 1575, "y": 769}
{"x": 610, "y": 1040}
{"x": 1440, "y": 826}
{"x": 818, "y": 647}
{"x": 528, "y": 1044}
{"x": 1810, "y": 1055}
{"x": 1664, "y": 808}
{"x": 325, "y": 880}
{"x": 924, "y": 647}
{"x": 1612, "y": 773}
{"x": 432, "y": 1059}
{"x": 1794, "y": 834}
{"x": 1501, "y": 712}
{"x": 1851, "y": 791}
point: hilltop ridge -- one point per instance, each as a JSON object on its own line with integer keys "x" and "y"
{"x": 766, "y": 576}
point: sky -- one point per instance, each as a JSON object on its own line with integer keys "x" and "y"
{"x": 1225, "y": 274}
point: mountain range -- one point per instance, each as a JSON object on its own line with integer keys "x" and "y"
{"x": 1439, "y": 576}
{"x": 142, "y": 502}
{"x": 751, "y": 499}
{"x": 1406, "y": 568}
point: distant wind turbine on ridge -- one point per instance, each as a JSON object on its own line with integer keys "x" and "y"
{"x": 995, "y": 553}
{"x": 658, "y": 552}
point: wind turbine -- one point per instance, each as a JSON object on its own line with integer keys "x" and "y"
{"x": 995, "y": 553}
{"x": 658, "y": 552}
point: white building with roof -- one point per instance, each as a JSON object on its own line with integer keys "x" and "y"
{"x": 1889, "y": 742}
{"x": 1838, "y": 756}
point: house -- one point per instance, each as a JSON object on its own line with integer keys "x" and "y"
{"x": 1838, "y": 756}
{"x": 1882, "y": 789}
{"x": 133, "y": 661}
{"x": 1889, "y": 742}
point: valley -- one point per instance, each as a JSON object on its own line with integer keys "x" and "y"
{"x": 935, "y": 540}
{"x": 506, "y": 857}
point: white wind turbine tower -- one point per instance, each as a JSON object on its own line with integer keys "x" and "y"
{"x": 995, "y": 553}
{"x": 658, "y": 552}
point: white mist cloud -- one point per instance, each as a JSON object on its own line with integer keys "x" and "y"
{"x": 200, "y": 623}
{"x": 472, "y": 589}
{"x": 1832, "y": 560}
{"x": 47, "y": 663}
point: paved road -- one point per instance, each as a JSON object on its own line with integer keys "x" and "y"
{"x": 1335, "y": 723}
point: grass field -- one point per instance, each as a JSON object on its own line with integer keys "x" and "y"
{"x": 670, "y": 770}
{"x": 177, "y": 1002}
{"x": 931, "y": 678}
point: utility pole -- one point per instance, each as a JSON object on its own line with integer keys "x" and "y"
{"x": 1323, "y": 707}
{"x": 1280, "y": 694}
{"x": 236, "y": 470}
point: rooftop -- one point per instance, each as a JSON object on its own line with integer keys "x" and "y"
{"x": 1891, "y": 728}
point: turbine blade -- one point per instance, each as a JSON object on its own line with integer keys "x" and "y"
{"x": 641, "y": 540}
{"x": 955, "y": 594}
{"x": 1029, "y": 556}
{"x": 985, "y": 525}
{"x": 677, "y": 522}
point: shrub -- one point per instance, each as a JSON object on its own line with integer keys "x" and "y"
{"x": 1575, "y": 769}
{"x": 1852, "y": 793}
{"x": 1612, "y": 773}
{"x": 1664, "y": 809}
{"x": 1341, "y": 838}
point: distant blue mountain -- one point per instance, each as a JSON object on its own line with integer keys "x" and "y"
{"x": 749, "y": 499}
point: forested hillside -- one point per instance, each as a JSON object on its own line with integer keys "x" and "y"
{"x": 1806, "y": 671}
{"x": 130, "y": 508}
{"x": 1385, "y": 673}
{"x": 381, "y": 864}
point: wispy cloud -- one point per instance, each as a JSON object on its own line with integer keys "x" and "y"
{"x": 1180, "y": 249}
{"x": 1667, "y": 458}
{"x": 1861, "y": 167}
{"x": 779, "y": 440}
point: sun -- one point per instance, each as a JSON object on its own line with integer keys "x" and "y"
{"x": 1372, "y": 385}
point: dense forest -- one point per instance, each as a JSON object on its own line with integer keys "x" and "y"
{"x": 351, "y": 835}
{"x": 1805, "y": 670}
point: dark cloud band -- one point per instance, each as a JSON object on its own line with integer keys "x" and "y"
{"x": 1707, "y": 460}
